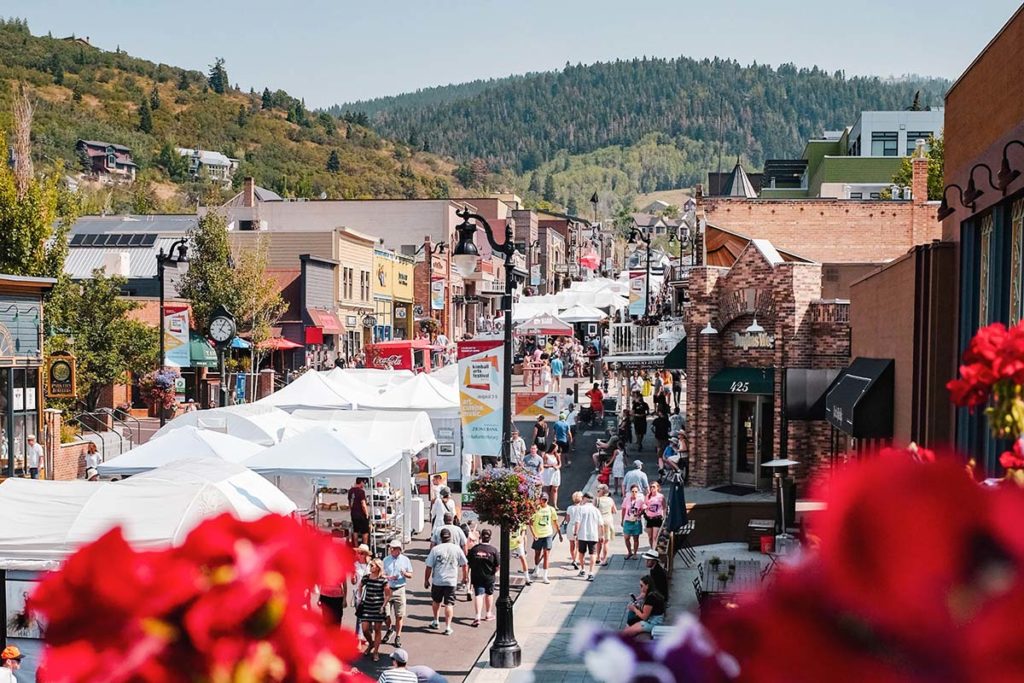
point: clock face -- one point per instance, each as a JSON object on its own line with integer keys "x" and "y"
{"x": 222, "y": 329}
{"x": 60, "y": 371}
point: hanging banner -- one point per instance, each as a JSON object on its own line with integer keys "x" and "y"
{"x": 637, "y": 292}
{"x": 176, "y": 348}
{"x": 530, "y": 405}
{"x": 436, "y": 293}
{"x": 481, "y": 394}
{"x": 60, "y": 376}
{"x": 535, "y": 275}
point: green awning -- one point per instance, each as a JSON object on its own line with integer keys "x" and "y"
{"x": 676, "y": 358}
{"x": 201, "y": 351}
{"x": 743, "y": 381}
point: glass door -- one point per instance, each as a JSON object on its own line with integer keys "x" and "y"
{"x": 745, "y": 432}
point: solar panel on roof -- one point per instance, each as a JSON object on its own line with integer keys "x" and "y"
{"x": 88, "y": 240}
{"x": 76, "y": 240}
{"x": 148, "y": 240}
{"x": 136, "y": 240}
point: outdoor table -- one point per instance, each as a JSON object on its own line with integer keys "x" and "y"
{"x": 746, "y": 578}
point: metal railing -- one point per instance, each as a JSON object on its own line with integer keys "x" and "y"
{"x": 631, "y": 338}
{"x": 105, "y": 429}
{"x": 115, "y": 414}
{"x": 99, "y": 435}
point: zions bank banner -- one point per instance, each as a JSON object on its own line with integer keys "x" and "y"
{"x": 480, "y": 395}
{"x": 176, "y": 348}
{"x": 637, "y": 292}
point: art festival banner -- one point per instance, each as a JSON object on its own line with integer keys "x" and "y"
{"x": 436, "y": 293}
{"x": 530, "y": 405}
{"x": 176, "y": 348}
{"x": 637, "y": 292}
{"x": 480, "y": 395}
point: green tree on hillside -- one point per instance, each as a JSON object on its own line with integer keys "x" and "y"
{"x": 145, "y": 117}
{"x": 154, "y": 99}
{"x": 571, "y": 207}
{"x": 218, "y": 77}
{"x": 183, "y": 81}
{"x": 267, "y": 101}
{"x": 333, "y": 162}
{"x": 549, "y": 189}
{"x": 57, "y": 69}
{"x": 243, "y": 116}
{"x": 173, "y": 164}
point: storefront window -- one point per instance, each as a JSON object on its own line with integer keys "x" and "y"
{"x": 984, "y": 269}
{"x": 1016, "y": 257}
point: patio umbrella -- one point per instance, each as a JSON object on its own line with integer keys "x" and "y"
{"x": 677, "y": 517}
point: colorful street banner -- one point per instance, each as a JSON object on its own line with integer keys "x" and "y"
{"x": 637, "y": 292}
{"x": 481, "y": 394}
{"x": 176, "y": 349}
{"x": 436, "y": 293}
{"x": 530, "y": 405}
{"x": 535, "y": 275}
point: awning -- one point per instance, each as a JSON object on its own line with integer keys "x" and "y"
{"x": 860, "y": 402}
{"x": 239, "y": 343}
{"x": 279, "y": 344}
{"x": 547, "y": 325}
{"x": 805, "y": 392}
{"x": 743, "y": 381}
{"x": 635, "y": 361}
{"x": 676, "y": 358}
{"x": 201, "y": 351}
{"x": 328, "y": 320}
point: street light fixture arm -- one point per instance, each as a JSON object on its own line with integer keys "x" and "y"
{"x": 466, "y": 230}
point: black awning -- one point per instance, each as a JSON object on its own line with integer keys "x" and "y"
{"x": 805, "y": 392}
{"x": 676, "y": 358}
{"x": 860, "y": 402}
{"x": 743, "y": 381}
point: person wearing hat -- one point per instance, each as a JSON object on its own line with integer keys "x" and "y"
{"x": 398, "y": 673}
{"x": 33, "y": 456}
{"x": 11, "y": 661}
{"x": 360, "y": 569}
{"x": 657, "y": 573}
{"x": 444, "y": 564}
{"x": 443, "y": 505}
{"x": 518, "y": 448}
{"x": 636, "y": 477}
{"x": 397, "y": 570}
{"x": 92, "y": 474}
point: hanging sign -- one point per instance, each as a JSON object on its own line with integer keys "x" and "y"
{"x": 60, "y": 376}
{"x": 535, "y": 275}
{"x": 637, "y": 292}
{"x": 436, "y": 293}
{"x": 481, "y": 392}
{"x": 176, "y": 348}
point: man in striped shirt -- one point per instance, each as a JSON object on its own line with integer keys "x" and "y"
{"x": 398, "y": 673}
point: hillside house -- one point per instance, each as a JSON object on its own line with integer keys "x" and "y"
{"x": 214, "y": 166}
{"x": 107, "y": 162}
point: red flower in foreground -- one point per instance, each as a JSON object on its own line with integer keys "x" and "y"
{"x": 1013, "y": 458}
{"x": 995, "y": 355}
{"x": 231, "y": 604}
{"x": 919, "y": 577}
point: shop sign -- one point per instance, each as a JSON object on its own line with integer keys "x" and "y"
{"x": 400, "y": 312}
{"x": 417, "y": 309}
{"x": 60, "y": 376}
{"x": 535, "y": 278}
{"x": 369, "y": 321}
{"x": 753, "y": 340}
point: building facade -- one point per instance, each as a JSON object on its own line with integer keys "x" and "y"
{"x": 106, "y": 161}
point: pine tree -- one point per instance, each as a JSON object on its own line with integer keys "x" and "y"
{"x": 145, "y": 118}
{"x": 549, "y": 188}
{"x": 218, "y": 77}
{"x": 57, "y": 69}
{"x": 534, "y": 185}
{"x": 183, "y": 81}
{"x": 333, "y": 162}
{"x": 267, "y": 101}
{"x": 243, "y": 116}
{"x": 154, "y": 99}
{"x": 571, "y": 207}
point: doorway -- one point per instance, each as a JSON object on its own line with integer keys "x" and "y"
{"x": 752, "y": 442}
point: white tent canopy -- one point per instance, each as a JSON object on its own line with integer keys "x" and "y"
{"x": 582, "y": 314}
{"x": 408, "y": 432}
{"x": 313, "y": 390}
{"x": 422, "y": 392}
{"x": 449, "y": 374}
{"x": 45, "y": 521}
{"x": 370, "y": 377}
{"x": 256, "y": 422}
{"x": 325, "y": 451}
{"x": 187, "y": 443}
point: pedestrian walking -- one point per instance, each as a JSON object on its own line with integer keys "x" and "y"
{"x": 455, "y": 532}
{"x": 557, "y": 369}
{"x": 540, "y": 433}
{"x": 518, "y": 448}
{"x": 569, "y": 523}
{"x": 588, "y": 533}
{"x": 543, "y": 527}
{"x": 636, "y": 477}
{"x": 606, "y": 506}
{"x": 551, "y": 475}
{"x": 360, "y": 511}
{"x": 632, "y": 526}
{"x": 10, "y": 661}
{"x": 33, "y": 456}
{"x": 483, "y": 566}
{"x": 654, "y": 512}
{"x": 376, "y": 595}
{"x": 444, "y": 564}
{"x": 332, "y": 602}
{"x": 518, "y": 552}
{"x": 360, "y": 569}
{"x": 533, "y": 462}
{"x": 677, "y": 387}
{"x": 563, "y": 436}
{"x": 398, "y": 673}
{"x": 640, "y": 412}
{"x": 443, "y": 505}
{"x": 398, "y": 571}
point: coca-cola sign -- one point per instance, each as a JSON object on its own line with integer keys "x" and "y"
{"x": 387, "y": 362}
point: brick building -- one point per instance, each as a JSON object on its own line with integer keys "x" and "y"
{"x": 762, "y": 347}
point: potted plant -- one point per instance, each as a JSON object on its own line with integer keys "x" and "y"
{"x": 715, "y": 561}
{"x": 158, "y": 391}
{"x": 724, "y": 578}
{"x": 732, "y": 568}
{"x": 505, "y": 496}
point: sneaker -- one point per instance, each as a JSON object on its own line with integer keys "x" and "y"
{"x": 528, "y": 579}
{"x": 582, "y": 573}
{"x": 398, "y": 641}
{"x": 387, "y": 634}
{"x": 575, "y": 565}
{"x": 434, "y": 625}
{"x": 448, "y": 631}
{"x": 590, "y": 577}
{"x": 545, "y": 579}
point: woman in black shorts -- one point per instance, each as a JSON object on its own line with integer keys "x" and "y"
{"x": 376, "y": 595}
{"x": 654, "y": 512}
{"x": 540, "y": 434}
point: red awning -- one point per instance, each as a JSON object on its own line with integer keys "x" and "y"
{"x": 279, "y": 344}
{"x": 326, "y": 320}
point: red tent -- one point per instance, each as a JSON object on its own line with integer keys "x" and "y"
{"x": 546, "y": 325}
{"x": 279, "y": 344}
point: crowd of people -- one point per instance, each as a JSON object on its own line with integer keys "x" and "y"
{"x": 546, "y": 363}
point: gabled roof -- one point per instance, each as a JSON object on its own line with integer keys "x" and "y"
{"x": 262, "y": 195}
{"x": 739, "y": 184}
{"x": 645, "y": 220}
{"x": 207, "y": 157}
{"x": 725, "y": 246}
{"x": 99, "y": 143}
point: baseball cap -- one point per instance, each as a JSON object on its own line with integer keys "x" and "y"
{"x": 651, "y": 555}
{"x": 543, "y": 495}
{"x": 400, "y": 656}
{"x": 638, "y": 463}
{"x": 445, "y": 491}
{"x": 11, "y": 652}
{"x": 395, "y": 544}
{"x": 363, "y": 548}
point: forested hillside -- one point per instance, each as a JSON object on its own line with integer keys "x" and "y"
{"x": 82, "y": 91}
{"x": 441, "y": 94}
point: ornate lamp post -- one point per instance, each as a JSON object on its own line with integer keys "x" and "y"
{"x": 505, "y": 652}
{"x": 177, "y": 253}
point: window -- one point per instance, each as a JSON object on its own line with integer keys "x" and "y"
{"x": 984, "y": 269}
{"x": 876, "y": 195}
{"x": 364, "y": 285}
{"x": 346, "y": 283}
{"x": 856, "y": 195}
{"x": 913, "y": 136}
{"x": 885, "y": 144}
{"x": 1016, "y": 248}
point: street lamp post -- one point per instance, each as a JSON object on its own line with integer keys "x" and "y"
{"x": 635, "y": 234}
{"x": 162, "y": 259}
{"x": 505, "y": 652}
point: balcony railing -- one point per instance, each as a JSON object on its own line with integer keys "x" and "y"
{"x": 832, "y": 312}
{"x": 633, "y": 339}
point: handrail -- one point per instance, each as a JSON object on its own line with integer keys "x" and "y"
{"x": 103, "y": 444}
{"x": 119, "y": 435}
{"x": 113, "y": 412}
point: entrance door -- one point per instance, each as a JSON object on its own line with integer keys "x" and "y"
{"x": 745, "y": 433}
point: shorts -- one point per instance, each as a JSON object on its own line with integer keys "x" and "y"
{"x": 652, "y": 621}
{"x": 546, "y": 543}
{"x": 335, "y": 606}
{"x": 654, "y": 522}
{"x": 563, "y": 446}
{"x": 397, "y": 602}
{"x": 632, "y": 528}
{"x": 586, "y": 547}
{"x": 516, "y": 553}
{"x": 483, "y": 588}
{"x": 443, "y": 595}
{"x": 360, "y": 525}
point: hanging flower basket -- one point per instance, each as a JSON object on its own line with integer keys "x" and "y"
{"x": 157, "y": 389}
{"x": 505, "y": 497}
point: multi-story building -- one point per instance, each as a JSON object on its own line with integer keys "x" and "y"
{"x": 106, "y": 161}
{"x": 203, "y": 163}
{"x": 393, "y": 291}
{"x": 857, "y": 162}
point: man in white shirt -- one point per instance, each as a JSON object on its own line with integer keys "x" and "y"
{"x": 589, "y": 528}
{"x": 34, "y": 456}
{"x": 443, "y": 504}
{"x": 444, "y": 564}
{"x": 10, "y": 661}
{"x": 518, "y": 448}
{"x": 397, "y": 570}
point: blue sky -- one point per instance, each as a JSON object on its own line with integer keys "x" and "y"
{"x": 329, "y": 52}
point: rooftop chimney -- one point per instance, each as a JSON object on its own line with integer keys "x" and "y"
{"x": 919, "y": 178}
{"x": 248, "y": 192}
